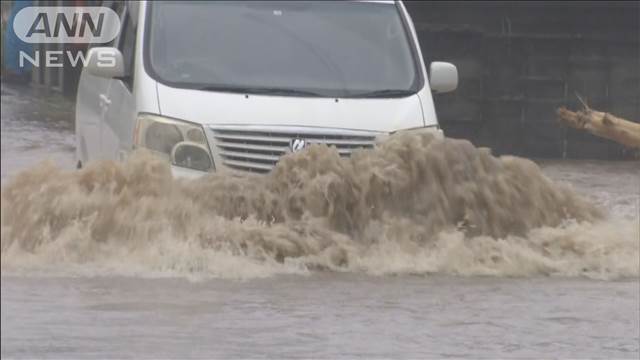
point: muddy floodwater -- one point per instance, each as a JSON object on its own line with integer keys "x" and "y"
{"x": 422, "y": 248}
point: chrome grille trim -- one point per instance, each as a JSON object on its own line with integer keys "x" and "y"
{"x": 258, "y": 148}
{"x": 248, "y": 155}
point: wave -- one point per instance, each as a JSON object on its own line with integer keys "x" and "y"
{"x": 415, "y": 204}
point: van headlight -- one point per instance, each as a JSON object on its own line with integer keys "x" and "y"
{"x": 432, "y": 129}
{"x": 183, "y": 143}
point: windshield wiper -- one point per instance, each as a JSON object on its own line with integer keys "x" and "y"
{"x": 260, "y": 90}
{"x": 382, "y": 94}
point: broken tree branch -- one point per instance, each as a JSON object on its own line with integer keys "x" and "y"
{"x": 602, "y": 124}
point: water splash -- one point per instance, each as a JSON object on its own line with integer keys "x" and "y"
{"x": 415, "y": 204}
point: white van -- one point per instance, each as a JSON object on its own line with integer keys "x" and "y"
{"x": 236, "y": 85}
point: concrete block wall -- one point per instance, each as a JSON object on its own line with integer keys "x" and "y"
{"x": 519, "y": 61}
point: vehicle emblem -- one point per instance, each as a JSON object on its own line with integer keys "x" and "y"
{"x": 297, "y": 144}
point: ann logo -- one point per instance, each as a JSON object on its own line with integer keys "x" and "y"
{"x": 73, "y": 28}
{"x": 66, "y": 24}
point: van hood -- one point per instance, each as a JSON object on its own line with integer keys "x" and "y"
{"x": 219, "y": 108}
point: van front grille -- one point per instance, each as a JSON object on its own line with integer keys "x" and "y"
{"x": 258, "y": 149}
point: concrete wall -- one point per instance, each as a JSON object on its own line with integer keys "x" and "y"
{"x": 518, "y": 62}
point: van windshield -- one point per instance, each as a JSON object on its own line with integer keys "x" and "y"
{"x": 309, "y": 48}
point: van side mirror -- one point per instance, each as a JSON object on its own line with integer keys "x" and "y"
{"x": 443, "y": 77}
{"x": 106, "y": 62}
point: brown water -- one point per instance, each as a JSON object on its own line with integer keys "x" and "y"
{"x": 420, "y": 248}
{"x": 416, "y": 204}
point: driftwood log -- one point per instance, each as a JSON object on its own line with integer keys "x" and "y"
{"x": 602, "y": 124}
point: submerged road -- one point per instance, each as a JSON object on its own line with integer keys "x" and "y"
{"x": 319, "y": 314}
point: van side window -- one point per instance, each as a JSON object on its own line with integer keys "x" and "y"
{"x": 127, "y": 46}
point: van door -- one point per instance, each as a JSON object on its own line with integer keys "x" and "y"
{"x": 119, "y": 119}
{"x": 92, "y": 104}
